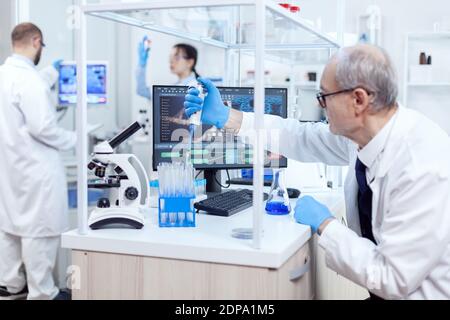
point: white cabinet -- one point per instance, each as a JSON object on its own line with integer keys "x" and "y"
{"x": 112, "y": 276}
{"x": 427, "y": 87}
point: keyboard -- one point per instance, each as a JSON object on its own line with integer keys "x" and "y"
{"x": 228, "y": 203}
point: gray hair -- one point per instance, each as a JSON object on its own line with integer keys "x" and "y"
{"x": 368, "y": 67}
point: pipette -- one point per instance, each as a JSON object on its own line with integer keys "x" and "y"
{"x": 195, "y": 119}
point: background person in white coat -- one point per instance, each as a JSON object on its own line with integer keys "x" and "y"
{"x": 397, "y": 191}
{"x": 183, "y": 62}
{"x": 33, "y": 191}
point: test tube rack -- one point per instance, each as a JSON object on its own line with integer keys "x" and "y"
{"x": 177, "y": 212}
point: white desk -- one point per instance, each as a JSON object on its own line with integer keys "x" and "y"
{"x": 116, "y": 263}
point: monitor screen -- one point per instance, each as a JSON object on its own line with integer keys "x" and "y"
{"x": 211, "y": 148}
{"x": 96, "y": 83}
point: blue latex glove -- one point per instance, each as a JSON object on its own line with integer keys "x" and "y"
{"x": 214, "y": 111}
{"x": 143, "y": 52}
{"x": 311, "y": 213}
{"x": 57, "y": 64}
{"x": 142, "y": 88}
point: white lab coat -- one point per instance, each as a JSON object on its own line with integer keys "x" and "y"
{"x": 411, "y": 205}
{"x": 29, "y": 261}
{"x": 33, "y": 190}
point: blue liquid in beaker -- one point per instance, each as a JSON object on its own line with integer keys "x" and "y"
{"x": 277, "y": 208}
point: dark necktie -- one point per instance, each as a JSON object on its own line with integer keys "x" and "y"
{"x": 364, "y": 202}
{"x": 365, "y": 207}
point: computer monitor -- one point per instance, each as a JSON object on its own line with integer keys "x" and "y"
{"x": 212, "y": 149}
{"x": 96, "y": 83}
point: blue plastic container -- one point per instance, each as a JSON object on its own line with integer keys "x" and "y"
{"x": 249, "y": 174}
{"x": 177, "y": 212}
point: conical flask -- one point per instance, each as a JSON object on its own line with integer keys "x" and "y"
{"x": 278, "y": 203}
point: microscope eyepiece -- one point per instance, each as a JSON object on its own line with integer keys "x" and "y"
{"x": 125, "y": 135}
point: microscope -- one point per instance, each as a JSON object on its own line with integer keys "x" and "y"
{"x": 129, "y": 190}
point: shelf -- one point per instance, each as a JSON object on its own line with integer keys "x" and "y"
{"x": 429, "y": 36}
{"x": 227, "y": 24}
{"x": 308, "y": 85}
{"x": 435, "y": 84}
{"x": 300, "y": 85}
{"x": 294, "y": 56}
{"x": 428, "y": 97}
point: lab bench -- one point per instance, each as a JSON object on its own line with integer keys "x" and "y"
{"x": 204, "y": 263}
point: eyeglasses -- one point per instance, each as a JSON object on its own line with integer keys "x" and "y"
{"x": 321, "y": 97}
{"x": 43, "y": 44}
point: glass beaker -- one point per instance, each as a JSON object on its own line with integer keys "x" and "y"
{"x": 278, "y": 202}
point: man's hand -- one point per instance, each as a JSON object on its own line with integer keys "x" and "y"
{"x": 312, "y": 213}
{"x": 57, "y": 64}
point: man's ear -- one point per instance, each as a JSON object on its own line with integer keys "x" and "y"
{"x": 36, "y": 42}
{"x": 361, "y": 100}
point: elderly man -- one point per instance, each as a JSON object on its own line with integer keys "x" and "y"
{"x": 397, "y": 191}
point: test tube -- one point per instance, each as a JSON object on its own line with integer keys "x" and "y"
{"x": 176, "y": 180}
{"x": 164, "y": 218}
{"x": 181, "y": 218}
{"x": 163, "y": 214}
{"x": 190, "y": 214}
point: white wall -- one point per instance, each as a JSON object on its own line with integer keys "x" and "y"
{"x": 6, "y": 24}
{"x": 400, "y": 17}
{"x": 57, "y": 36}
{"x": 60, "y": 40}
